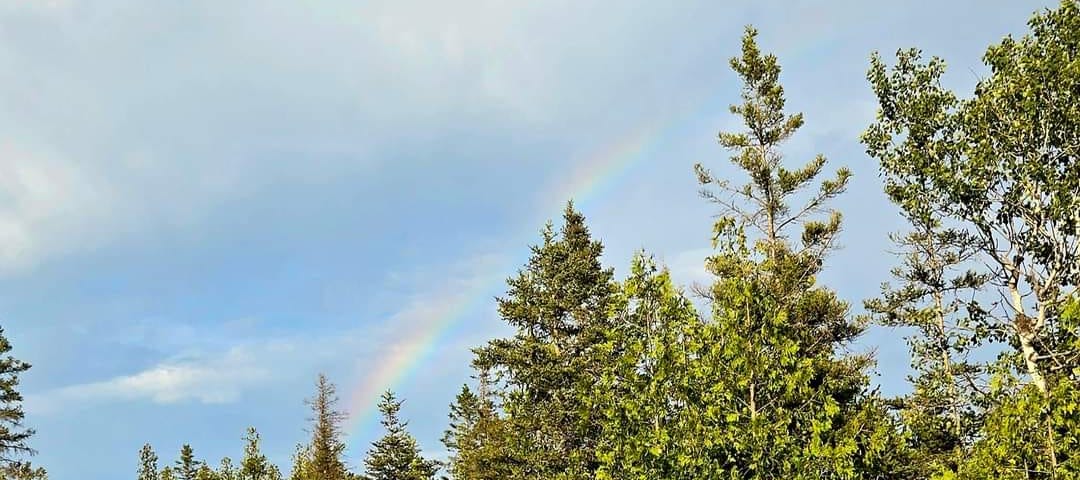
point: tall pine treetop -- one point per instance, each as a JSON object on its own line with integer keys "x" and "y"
{"x": 765, "y": 202}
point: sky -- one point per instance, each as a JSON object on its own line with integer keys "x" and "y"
{"x": 204, "y": 204}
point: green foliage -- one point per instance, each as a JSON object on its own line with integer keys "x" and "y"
{"x": 187, "y": 467}
{"x": 322, "y": 459}
{"x": 254, "y": 465}
{"x": 13, "y": 434}
{"x": 643, "y": 392}
{"x": 1002, "y": 165}
{"x": 779, "y": 402}
{"x": 474, "y": 437}
{"x": 396, "y": 456}
{"x": 301, "y": 469}
{"x": 936, "y": 298}
{"x": 1023, "y": 421}
{"x": 226, "y": 470}
{"x": 559, "y": 307}
{"x": 22, "y": 471}
{"x": 1013, "y": 446}
{"x": 206, "y": 473}
{"x": 148, "y": 463}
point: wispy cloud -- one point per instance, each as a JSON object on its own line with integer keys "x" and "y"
{"x": 43, "y": 198}
{"x": 216, "y": 378}
{"x": 204, "y": 368}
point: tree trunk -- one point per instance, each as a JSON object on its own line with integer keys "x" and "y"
{"x": 1026, "y": 330}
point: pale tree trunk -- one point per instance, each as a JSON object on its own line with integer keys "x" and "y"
{"x": 1026, "y": 330}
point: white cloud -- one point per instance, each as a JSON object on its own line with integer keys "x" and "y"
{"x": 131, "y": 118}
{"x": 219, "y": 378}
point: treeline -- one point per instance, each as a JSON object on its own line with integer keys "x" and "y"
{"x": 396, "y": 456}
{"x": 617, "y": 379}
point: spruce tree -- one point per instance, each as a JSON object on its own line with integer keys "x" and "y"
{"x": 13, "y": 434}
{"x": 459, "y": 439}
{"x": 255, "y": 465}
{"x": 187, "y": 467}
{"x": 168, "y": 473}
{"x": 327, "y": 447}
{"x": 148, "y": 463}
{"x": 558, "y": 305}
{"x": 475, "y": 435}
{"x": 301, "y": 468}
{"x": 396, "y": 456}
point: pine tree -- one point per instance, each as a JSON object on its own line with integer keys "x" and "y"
{"x": 148, "y": 463}
{"x": 187, "y": 467}
{"x": 13, "y": 434}
{"x": 781, "y": 403}
{"x": 558, "y": 305}
{"x": 396, "y": 456}
{"x": 327, "y": 447}
{"x": 937, "y": 298}
{"x": 168, "y": 473}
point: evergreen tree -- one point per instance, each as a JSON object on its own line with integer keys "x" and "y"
{"x": 937, "y": 298}
{"x": 226, "y": 470}
{"x": 396, "y": 456}
{"x": 168, "y": 473}
{"x": 23, "y": 471}
{"x": 187, "y": 467}
{"x": 206, "y": 473}
{"x": 327, "y": 447}
{"x": 301, "y": 469}
{"x": 559, "y": 307}
{"x": 13, "y": 434}
{"x": 255, "y": 465}
{"x": 148, "y": 463}
{"x": 780, "y": 403}
{"x": 474, "y": 436}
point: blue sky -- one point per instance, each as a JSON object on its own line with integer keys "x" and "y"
{"x": 205, "y": 203}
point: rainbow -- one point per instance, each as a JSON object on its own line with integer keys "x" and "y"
{"x": 595, "y": 174}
